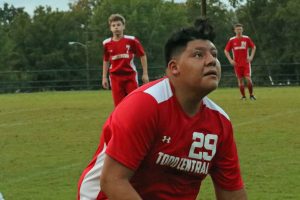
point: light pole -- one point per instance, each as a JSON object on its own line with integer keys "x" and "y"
{"x": 86, "y": 61}
{"x": 203, "y": 8}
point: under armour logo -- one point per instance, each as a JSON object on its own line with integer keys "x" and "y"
{"x": 166, "y": 139}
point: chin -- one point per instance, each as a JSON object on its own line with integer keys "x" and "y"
{"x": 208, "y": 89}
{"x": 214, "y": 82}
{"x": 212, "y": 86}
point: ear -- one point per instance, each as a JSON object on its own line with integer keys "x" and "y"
{"x": 173, "y": 67}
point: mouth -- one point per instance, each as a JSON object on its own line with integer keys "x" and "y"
{"x": 211, "y": 73}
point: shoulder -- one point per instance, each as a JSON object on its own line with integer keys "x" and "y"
{"x": 133, "y": 39}
{"x": 129, "y": 37}
{"x": 230, "y": 41}
{"x": 161, "y": 90}
{"x": 246, "y": 37}
{"x": 106, "y": 41}
{"x": 144, "y": 101}
{"x": 213, "y": 106}
{"x": 232, "y": 38}
{"x": 157, "y": 91}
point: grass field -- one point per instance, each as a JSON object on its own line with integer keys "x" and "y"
{"x": 46, "y": 140}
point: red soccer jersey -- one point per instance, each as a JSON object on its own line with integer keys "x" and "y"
{"x": 170, "y": 152}
{"x": 121, "y": 53}
{"x": 239, "y": 47}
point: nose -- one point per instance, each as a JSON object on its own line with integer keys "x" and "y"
{"x": 211, "y": 60}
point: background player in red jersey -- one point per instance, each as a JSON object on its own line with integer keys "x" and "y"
{"x": 241, "y": 59}
{"x": 164, "y": 138}
{"x": 119, "y": 52}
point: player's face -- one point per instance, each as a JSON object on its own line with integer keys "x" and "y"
{"x": 117, "y": 28}
{"x": 238, "y": 30}
{"x": 198, "y": 66}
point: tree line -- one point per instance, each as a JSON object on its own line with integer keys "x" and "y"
{"x": 41, "y": 41}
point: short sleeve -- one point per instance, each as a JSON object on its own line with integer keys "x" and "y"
{"x": 225, "y": 171}
{"x": 133, "y": 128}
{"x": 105, "y": 53}
{"x": 139, "y": 50}
{"x": 228, "y": 46}
{"x": 251, "y": 43}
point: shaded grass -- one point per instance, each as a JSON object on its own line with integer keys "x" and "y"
{"x": 47, "y": 139}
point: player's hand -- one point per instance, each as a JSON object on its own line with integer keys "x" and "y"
{"x": 232, "y": 62}
{"x": 105, "y": 83}
{"x": 250, "y": 60}
{"x": 145, "y": 78}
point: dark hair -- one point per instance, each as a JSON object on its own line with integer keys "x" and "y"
{"x": 178, "y": 40}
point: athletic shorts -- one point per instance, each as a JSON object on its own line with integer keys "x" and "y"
{"x": 243, "y": 70}
{"x": 122, "y": 85}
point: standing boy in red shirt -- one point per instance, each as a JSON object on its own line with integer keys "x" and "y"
{"x": 241, "y": 59}
{"x": 119, "y": 51}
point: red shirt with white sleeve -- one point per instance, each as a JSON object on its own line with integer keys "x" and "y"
{"x": 121, "y": 54}
{"x": 169, "y": 152}
{"x": 240, "y": 49}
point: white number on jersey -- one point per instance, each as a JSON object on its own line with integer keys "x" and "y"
{"x": 128, "y": 48}
{"x": 208, "y": 141}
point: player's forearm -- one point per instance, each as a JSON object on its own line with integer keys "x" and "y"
{"x": 105, "y": 69}
{"x": 253, "y": 53}
{"x": 114, "y": 181}
{"x": 228, "y": 56}
{"x": 144, "y": 64}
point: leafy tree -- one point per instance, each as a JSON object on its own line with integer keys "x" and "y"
{"x": 220, "y": 16}
{"x": 274, "y": 25}
{"x": 40, "y": 42}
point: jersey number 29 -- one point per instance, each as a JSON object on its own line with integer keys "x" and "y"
{"x": 208, "y": 142}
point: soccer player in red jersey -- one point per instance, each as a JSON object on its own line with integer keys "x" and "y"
{"x": 241, "y": 60}
{"x": 164, "y": 138}
{"x": 119, "y": 52}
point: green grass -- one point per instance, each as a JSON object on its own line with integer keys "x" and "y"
{"x": 48, "y": 138}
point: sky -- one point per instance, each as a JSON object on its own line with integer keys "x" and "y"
{"x": 30, "y": 5}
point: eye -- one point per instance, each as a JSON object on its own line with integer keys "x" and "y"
{"x": 214, "y": 54}
{"x": 198, "y": 54}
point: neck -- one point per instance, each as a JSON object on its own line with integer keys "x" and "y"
{"x": 190, "y": 106}
{"x": 239, "y": 35}
{"x": 190, "y": 102}
{"x": 117, "y": 37}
